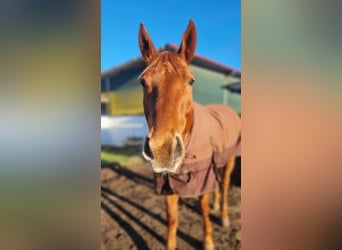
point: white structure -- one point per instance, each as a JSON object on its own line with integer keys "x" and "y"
{"x": 116, "y": 130}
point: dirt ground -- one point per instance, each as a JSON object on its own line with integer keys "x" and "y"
{"x": 133, "y": 216}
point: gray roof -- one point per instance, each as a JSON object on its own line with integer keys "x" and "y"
{"x": 233, "y": 87}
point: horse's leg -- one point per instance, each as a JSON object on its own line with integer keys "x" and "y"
{"x": 208, "y": 230}
{"x": 216, "y": 203}
{"x": 172, "y": 219}
{"x": 225, "y": 188}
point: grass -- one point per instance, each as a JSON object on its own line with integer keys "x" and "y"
{"x": 112, "y": 157}
{"x": 118, "y": 155}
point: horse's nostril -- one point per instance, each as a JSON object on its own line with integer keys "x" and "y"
{"x": 179, "y": 148}
{"x": 147, "y": 153}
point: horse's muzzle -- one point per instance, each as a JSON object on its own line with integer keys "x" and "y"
{"x": 173, "y": 159}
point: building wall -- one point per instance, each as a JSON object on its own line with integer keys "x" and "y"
{"x": 125, "y": 95}
{"x": 207, "y": 88}
{"x": 234, "y": 101}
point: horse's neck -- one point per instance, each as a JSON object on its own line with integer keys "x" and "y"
{"x": 189, "y": 123}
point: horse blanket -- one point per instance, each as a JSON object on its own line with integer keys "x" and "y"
{"x": 214, "y": 138}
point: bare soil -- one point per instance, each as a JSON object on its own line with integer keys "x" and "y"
{"x": 133, "y": 216}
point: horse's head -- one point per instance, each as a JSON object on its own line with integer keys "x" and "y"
{"x": 166, "y": 83}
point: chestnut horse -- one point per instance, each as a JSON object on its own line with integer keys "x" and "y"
{"x": 171, "y": 115}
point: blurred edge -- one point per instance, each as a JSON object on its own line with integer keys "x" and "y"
{"x": 291, "y": 87}
{"x": 49, "y": 124}
{"x": 50, "y": 139}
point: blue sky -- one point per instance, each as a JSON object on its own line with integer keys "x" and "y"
{"x": 218, "y": 26}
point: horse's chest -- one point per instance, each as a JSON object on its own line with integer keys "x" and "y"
{"x": 192, "y": 183}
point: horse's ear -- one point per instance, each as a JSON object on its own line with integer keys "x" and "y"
{"x": 188, "y": 45}
{"x": 147, "y": 49}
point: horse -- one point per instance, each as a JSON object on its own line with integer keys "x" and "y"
{"x": 191, "y": 148}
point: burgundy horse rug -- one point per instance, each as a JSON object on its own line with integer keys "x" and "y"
{"x": 215, "y": 137}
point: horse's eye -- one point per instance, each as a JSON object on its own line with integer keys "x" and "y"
{"x": 142, "y": 82}
{"x": 191, "y": 81}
